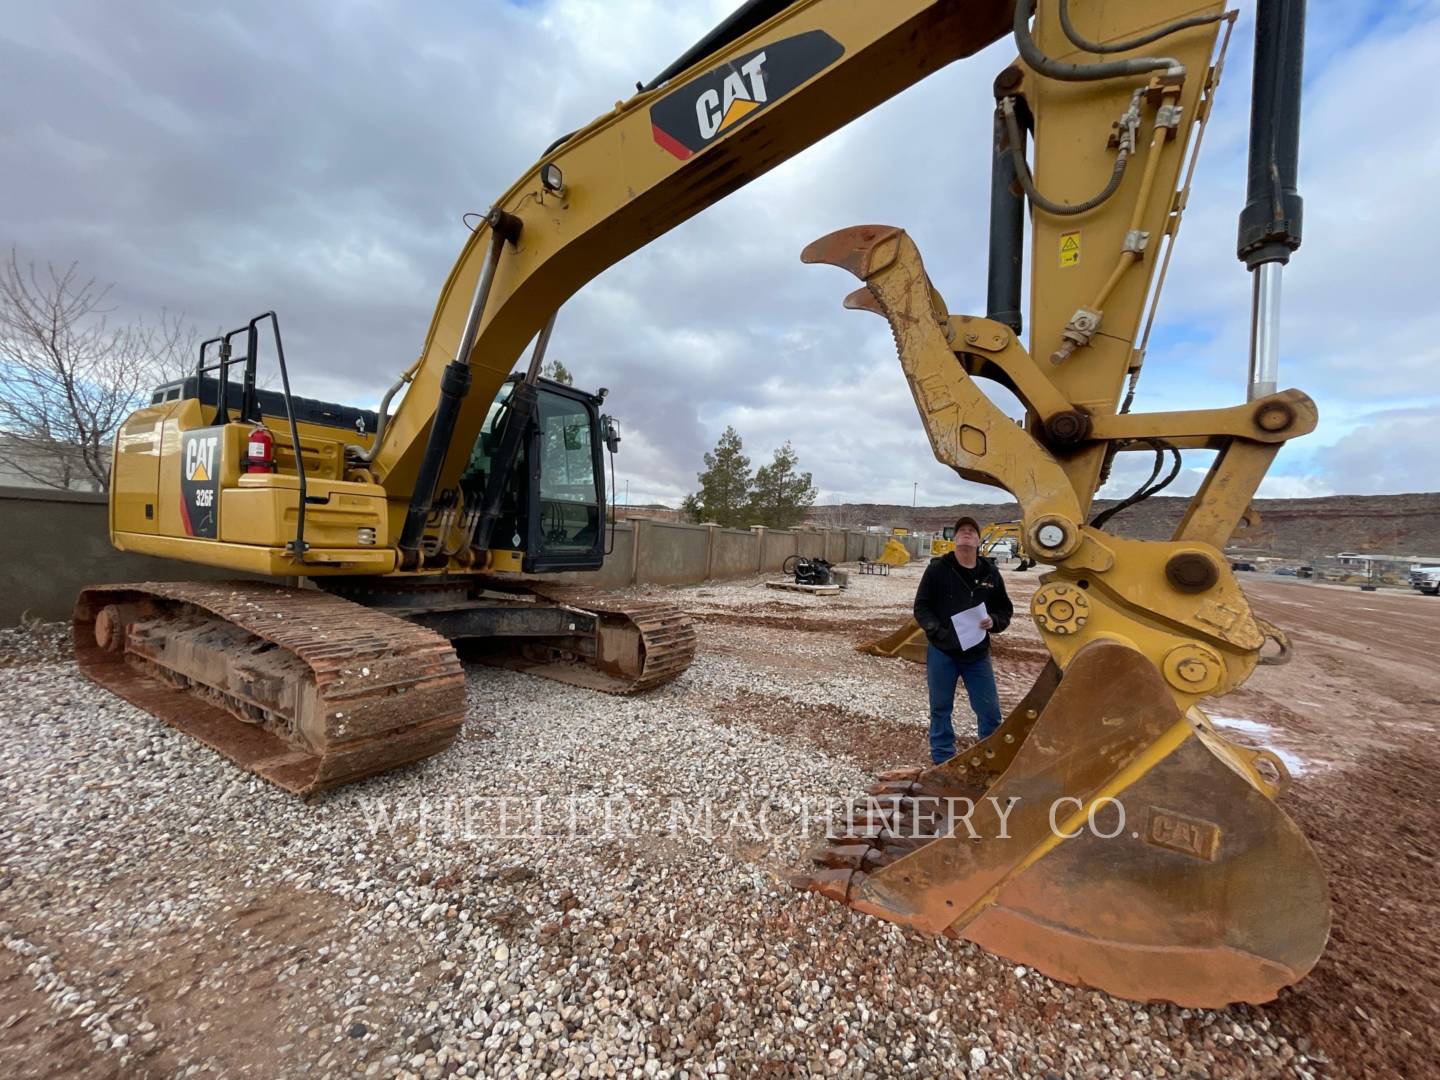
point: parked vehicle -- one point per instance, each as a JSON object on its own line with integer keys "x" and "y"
{"x": 1426, "y": 579}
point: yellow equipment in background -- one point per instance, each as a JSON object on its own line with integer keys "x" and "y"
{"x": 429, "y": 522}
{"x": 1010, "y": 536}
{"x": 895, "y": 552}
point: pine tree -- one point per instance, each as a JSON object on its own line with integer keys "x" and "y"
{"x": 724, "y": 495}
{"x": 779, "y": 495}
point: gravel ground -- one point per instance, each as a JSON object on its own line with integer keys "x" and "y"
{"x": 162, "y": 914}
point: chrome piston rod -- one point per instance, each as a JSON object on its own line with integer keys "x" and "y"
{"x": 1265, "y": 330}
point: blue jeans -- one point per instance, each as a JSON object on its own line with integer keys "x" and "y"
{"x": 942, "y": 671}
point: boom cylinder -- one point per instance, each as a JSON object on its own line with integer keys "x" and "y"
{"x": 1270, "y": 223}
{"x": 454, "y": 386}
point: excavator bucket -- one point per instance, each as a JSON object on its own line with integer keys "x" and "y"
{"x": 1100, "y": 836}
{"x": 908, "y": 642}
{"x": 894, "y": 554}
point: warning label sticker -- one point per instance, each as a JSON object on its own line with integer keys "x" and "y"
{"x": 1070, "y": 249}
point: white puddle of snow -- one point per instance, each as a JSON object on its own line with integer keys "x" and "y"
{"x": 1297, "y": 765}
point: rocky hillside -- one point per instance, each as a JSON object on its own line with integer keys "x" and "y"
{"x": 1300, "y": 528}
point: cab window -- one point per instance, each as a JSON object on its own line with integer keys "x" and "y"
{"x": 569, "y": 495}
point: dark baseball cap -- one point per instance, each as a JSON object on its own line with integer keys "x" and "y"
{"x": 962, "y": 522}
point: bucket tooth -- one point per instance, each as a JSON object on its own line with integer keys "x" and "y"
{"x": 835, "y": 884}
{"x": 891, "y": 788}
{"x": 897, "y": 775}
{"x": 846, "y": 856}
{"x": 862, "y": 299}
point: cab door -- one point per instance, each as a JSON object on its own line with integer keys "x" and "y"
{"x": 566, "y": 484}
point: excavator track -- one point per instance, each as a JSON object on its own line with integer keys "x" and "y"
{"x": 304, "y": 689}
{"x": 641, "y": 644}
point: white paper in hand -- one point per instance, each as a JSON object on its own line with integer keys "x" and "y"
{"x": 967, "y": 626}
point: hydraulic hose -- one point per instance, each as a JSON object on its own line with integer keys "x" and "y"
{"x": 1103, "y": 48}
{"x": 359, "y": 454}
{"x": 1147, "y": 489}
{"x": 1027, "y": 182}
{"x": 1067, "y": 72}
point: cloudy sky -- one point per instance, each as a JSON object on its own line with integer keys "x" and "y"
{"x": 316, "y": 156}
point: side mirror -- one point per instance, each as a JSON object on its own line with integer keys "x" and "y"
{"x": 610, "y": 432}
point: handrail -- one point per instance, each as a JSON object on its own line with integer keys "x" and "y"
{"x": 297, "y": 547}
{"x": 248, "y": 404}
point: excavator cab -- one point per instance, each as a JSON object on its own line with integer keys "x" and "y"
{"x": 553, "y": 506}
{"x": 944, "y": 543}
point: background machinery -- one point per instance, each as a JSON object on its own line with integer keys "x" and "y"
{"x": 1005, "y": 540}
{"x": 425, "y": 524}
{"x": 895, "y": 553}
{"x": 999, "y": 540}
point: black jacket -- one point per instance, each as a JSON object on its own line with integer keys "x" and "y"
{"x": 947, "y": 588}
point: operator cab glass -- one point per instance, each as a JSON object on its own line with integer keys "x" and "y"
{"x": 552, "y": 507}
{"x": 570, "y": 495}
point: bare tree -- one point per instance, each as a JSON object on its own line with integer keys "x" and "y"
{"x": 68, "y": 377}
{"x": 834, "y": 516}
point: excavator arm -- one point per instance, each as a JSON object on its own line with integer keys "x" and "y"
{"x": 1175, "y": 902}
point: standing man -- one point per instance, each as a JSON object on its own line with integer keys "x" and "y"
{"x": 955, "y": 583}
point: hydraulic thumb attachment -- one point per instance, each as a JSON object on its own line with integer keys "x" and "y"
{"x": 1106, "y": 834}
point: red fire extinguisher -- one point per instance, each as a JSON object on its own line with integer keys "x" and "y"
{"x": 260, "y": 451}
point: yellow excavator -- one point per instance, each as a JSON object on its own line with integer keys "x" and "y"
{"x": 1007, "y": 537}
{"x": 1106, "y": 834}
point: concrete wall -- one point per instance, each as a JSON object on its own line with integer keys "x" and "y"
{"x": 779, "y": 546}
{"x": 854, "y": 546}
{"x": 733, "y": 553}
{"x": 672, "y": 554}
{"x": 55, "y": 543}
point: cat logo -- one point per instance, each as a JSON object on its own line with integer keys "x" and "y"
{"x": 708, "y": 106}
{"x": 200, "y": 459}
{"x": 739, "y": 101}
{"x": 200, "y": 482}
